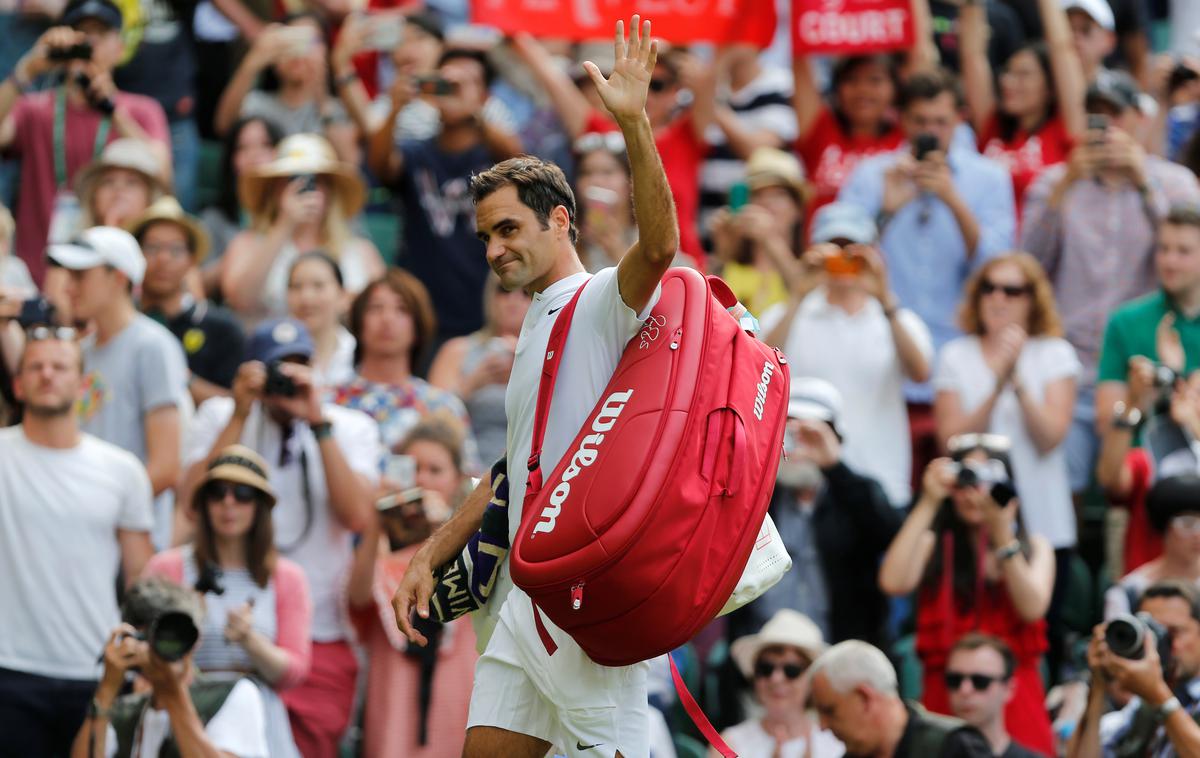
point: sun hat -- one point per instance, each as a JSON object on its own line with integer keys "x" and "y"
{"x": 240, "y": 465}
{"x": 770, "y": 167}
{"x": 298, "y": 155}
{"x": 168, "y": 209}
{"x": 788, "y": 628}
{"x": 130, "y": 154}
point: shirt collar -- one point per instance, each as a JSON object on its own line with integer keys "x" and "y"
{"x": 561, "y": 287}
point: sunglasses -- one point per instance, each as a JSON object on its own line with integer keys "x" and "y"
{"x": 987, "y": 288}
{"x": 766, "y": 669}
{"x": 658, "y": 85}
{"x": 979, "y": 682}
{"x": 41, "y": 333}
{"x": 613, "y": 142}
{"x": 243, "y": 493}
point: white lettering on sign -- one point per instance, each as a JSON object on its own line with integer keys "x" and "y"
{"x": 818, "y": 28}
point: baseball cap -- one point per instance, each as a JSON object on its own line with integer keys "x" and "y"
{"x": 1099, "y": 10}
{"x": 815, "y": 399}
{"x": 101, "y": 246}
{"x": 1115, "y": 88}
{"x": 843, "y": 221}
{"x": 277, "y": 339}
{"x": 101, "y": 10}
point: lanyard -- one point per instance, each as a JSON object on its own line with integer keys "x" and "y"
{"x": 60, "y": 128}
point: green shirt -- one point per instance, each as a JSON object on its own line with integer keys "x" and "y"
{"x": 1131, "y": 331}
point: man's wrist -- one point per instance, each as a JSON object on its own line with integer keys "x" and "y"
{"x": 322, "y": 428}
{"x": 1161, "y": 696}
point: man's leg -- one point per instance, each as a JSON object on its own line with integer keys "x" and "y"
{"x": 494, "y": 742}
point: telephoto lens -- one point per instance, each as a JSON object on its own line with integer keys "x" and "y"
{"x": 1126, "y": 635}
{"x": 172, "y": 635}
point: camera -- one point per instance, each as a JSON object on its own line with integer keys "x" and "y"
{"x": 1164, "y": 377}
{"x": 171, "y": 635}
{"x": 1126, "y": 636}
{"x": 308, "y": 182}
{"x": 436, "y": 85}
{"x": 80, "y": 51}
{"x": 278, "y": 383}
{"x": 923, "y": 145}
{"x": 103, "y": 104}
{"x": 36, "y": 311}
{"x": 991, "y": 474}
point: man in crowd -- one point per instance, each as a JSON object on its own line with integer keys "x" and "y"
{"x": 1160, "y": 719}
{"x": 1093, "y": 27}
{"x": 85, "y": 112}
{"x": 979, "y": 678}
{"x": 430, "y": 178}
{"x": 74, "y": 511}
{"x": 835, "y": 524}
{"x": 174, "y": 244}
{"x": 324, "y": 461}
{"x": 136, "y": 373}
{"x": 855, "y": 693}
{"x": 1092, "y": 222}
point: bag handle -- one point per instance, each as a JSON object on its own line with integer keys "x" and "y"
{"x": 697, "y": 715}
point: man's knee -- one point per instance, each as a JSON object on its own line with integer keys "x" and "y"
{"x": 494, "y": 742}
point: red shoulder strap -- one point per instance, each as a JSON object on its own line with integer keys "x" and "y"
{"x": 554, "y": 351}
{"x": 697, "y": 716}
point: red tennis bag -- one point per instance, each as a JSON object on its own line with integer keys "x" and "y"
{"x": 642, "y": 531}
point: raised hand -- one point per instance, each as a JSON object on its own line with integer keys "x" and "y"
{"x": 624, "y": 92}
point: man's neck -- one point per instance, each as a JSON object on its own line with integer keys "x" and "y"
{"x": 996, "y": 735}
{"x": 385, "y": 369}
{"x": 849, "y": 299}
{"x": 894, "y": 725}
{"x": 170, "y": 305}
{"x": 1188, "y": 301}
{"x": 566, "y": 263}
{"x": 60, "y": 431}
{"x": 113, "y": 321}
{"x": 1177, "y": 567}
{"x": 460, "y": 137}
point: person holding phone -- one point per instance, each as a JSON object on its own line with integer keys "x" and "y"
{"x": 965, "y": 551}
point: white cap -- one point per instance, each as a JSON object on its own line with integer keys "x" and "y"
{"x": 1099, "y": 10}
{"x": 816, "y": 399}
{"x": 102, "y": 246}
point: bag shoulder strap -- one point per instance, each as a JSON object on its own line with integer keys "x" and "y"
{"x": 697, "y": 715}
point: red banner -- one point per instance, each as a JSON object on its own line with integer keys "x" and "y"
{"x": 676, "y": 21}
{"x": 840, "y": 27}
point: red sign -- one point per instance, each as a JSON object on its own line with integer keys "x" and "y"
{"x": 677, "y": 21}
{"x": 838, "y": 27}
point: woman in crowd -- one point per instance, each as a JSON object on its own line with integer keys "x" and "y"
{"x": 258, "y": 607}
{"x": 416, "y": 704}
{"x": 299, "y": 202}
{"x": 775, "y": 661}
{"x": 392, "y": 323}
{"x": 250, "y": 143}
{"x": 965, "y": 550}
{"x": 1014, "y": 375}
{"x": 476, "y": 367}
{"x": 118, "y": 187}
{"x": 317, "y": 298}
{"x": 604, "y": 192}
{"x": 1031, "y": 121}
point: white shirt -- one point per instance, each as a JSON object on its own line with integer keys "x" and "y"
{"x": 340, "y": 367}
{"x": 602, "y": 326}
{"x": 855, "y": 352}
{"x": 59, "y": 556}
{"x": 1043, "y": 485}
{"x": 749, "y": 740}
{"x": 238, "y": 728}
{"x": 325, "y": 553}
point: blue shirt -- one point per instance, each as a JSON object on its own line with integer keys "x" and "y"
{"x": 922, "y": 244}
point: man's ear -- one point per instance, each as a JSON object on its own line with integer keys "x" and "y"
{"x": 560, "y": 221}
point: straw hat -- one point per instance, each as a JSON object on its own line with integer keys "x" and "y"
{"x": 167, "y": 208}
{"x": 130, "y": 154}
{"x": 787, "y": 627}
{"x": 769, "y": 167}
{"x": 302, "y": 154}
{"x": 240, "y": 465}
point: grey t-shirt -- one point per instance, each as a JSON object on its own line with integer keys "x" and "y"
{"x": 305, "y": 119}
{"x": 138, "y": 371}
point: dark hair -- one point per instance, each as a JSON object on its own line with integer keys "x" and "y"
{"x": 228, "y": 202}
{"x": 928, "y": 85}
{"x": 1169, "y": 588}
{"x": 844, "y": 67}
{"x": 978, "y": 641}
{"x": 1183, "y": 215}
{"x": 260, "y": 553}
{"x": 467, "y": 54}
{"x": 152, "y": 596}
{"x": 440, "y": 428}
{"x": 416, "y": 301}
{"x": 540, "y": 185}
{"x": 1171, "y": 496}
{"x": 1007, "y": 123}
{"x": 317, "y": 255}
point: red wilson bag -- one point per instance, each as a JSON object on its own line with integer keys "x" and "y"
{"x": 640, "y": 534}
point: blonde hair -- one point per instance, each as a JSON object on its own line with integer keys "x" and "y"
{"x": 335, "y": 227}
{"x": 1043, "y": 316}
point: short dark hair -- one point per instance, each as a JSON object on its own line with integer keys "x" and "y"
{"x": 416, "y": 301}
{"x": 540, "y": 184}
{"x": 153, "y": 596}
{"x": 323, "y": 257}
{"x": 469, "y": 54}
{"x": 1183, "y": 215}
{"x": 978, "y": 641}
{"x": 928, "y": 85}
{"x": 1169, "y": 588}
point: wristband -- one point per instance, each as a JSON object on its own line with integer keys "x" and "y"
{"x": 96, "y": 712}
{"x": 345, "y": 79}
{"x": 23, "y": 85}
{"x": 1008, "y": 551}
{"x": 322, "y": 430}
{"x": 1164, "y": 711}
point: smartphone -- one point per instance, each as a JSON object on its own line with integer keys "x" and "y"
{"x": 435, "y": 85}
{"x": 843, "y": 264}
{"x": 401, "y": 470}
{"x": 385, "y": 31}
{"x": 739, "y": 196}
{"x": 923, "y": 145}
{"x": 394, "y": 504}
{"x": 1097, "y": 125}
{"x": 598, "y": 206}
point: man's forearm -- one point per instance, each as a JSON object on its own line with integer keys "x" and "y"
{"x": 347, "y": 495}
{"x": 967, "y": 224}
{"x": 186, "y": 726}
{"x": 452, "y": 536}
{"x": 1086, "y": 740}
{"x": 653, "y": 205}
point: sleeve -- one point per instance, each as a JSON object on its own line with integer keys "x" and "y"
{"x": 1060, "y": 361}
{"x": 204, "y": 428}
{"x": 602, "y": 309}
{"x": 1114, "y": 353}
{"x": 876, "y": 521}
{"x": 168, "y": 564}
{"x": 240, "y": 727}
{"x": 1116, "y": 601}
{"x": 996, "y": 214}
{"x": 161, "y": 368}
{"x": 947, "y": 374}
{"x": 137, "y": 507}
{"x": 864, "y": 187}
{"x": 293, "y": 612}
{"x": 1041, "y": 225}
{"x": 358, "y": 437}
{"x": 916, "y": 329}
{"x": 771, "y": 317}
{"x": 150, "y": 116}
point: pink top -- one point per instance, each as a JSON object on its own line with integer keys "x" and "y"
{"x": 293, "y": 610}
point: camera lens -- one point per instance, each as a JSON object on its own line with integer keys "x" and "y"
{"x": 172, "y": 635}
{"x": 1125, "y": 636}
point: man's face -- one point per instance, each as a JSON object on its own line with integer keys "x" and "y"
{"x": 107, "y": 46}
{"x": 92, "y": 290}
{"x": 1174, "y": 614}
{"x": 168, "y": 258}
{"x": 119, "y": 197}
{"x": 388, "y": 329}
{"x": 978, "y": 707}
{"x": 663, "y": 94}
{"x": 1177, "y": 258}
{"x": 1092, "y": 42}
{"x": 49, "y": 379}
{"x": 518, "y": 249}
{"x": 938, "y": 116}
{"x": 848, "y": 715}
{"x": 470, "y": 90}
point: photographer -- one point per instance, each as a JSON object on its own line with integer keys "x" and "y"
{"x": 171, "y": 712}
{"x": 1155, "y": 722}
{"x": 325, "y": 462}
{"x": 57, "y": 131}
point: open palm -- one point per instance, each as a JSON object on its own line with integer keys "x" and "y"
{"x": 624, "y": 92}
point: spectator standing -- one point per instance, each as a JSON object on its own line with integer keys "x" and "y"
{"x": 174, "y": 244}
{"x": 1006, "y": 31}
{"x": 116, "y": 188}
{"x": 136, "y": 380}
{"x": 326, "y": 462}
{"x": 15, "y": 281}
{"x": 985, "y": 665}
{"x": 841, "y": 299}
{"x": 317, "y": 298}
{"x": 60, "y": 486}
{"x": 299, "y": 202}
{"x": 605, "y": 187}
{"x": 257, "y": 607}
{"x": 476, "y": 368}
{"x": 79, "y": 115}
{"x": 1093, "y": 28}
{"x": 976, "y": 569}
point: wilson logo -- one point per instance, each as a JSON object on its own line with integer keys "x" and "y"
{"x": 589, "y": 450}
{"x": 760, "y": 396}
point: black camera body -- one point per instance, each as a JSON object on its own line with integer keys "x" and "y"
{"x": 171, "y": 635}
{"x": 80, "y": 51}
{"x": 436, "y": 85}
{"x": 278, "y": 383}
{"x": 923, "y": 145}
{"x": 1126, "y": 636}
{"x": 972, "y": 475}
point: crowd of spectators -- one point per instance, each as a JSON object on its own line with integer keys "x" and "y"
{"x": 252, "y": 355}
